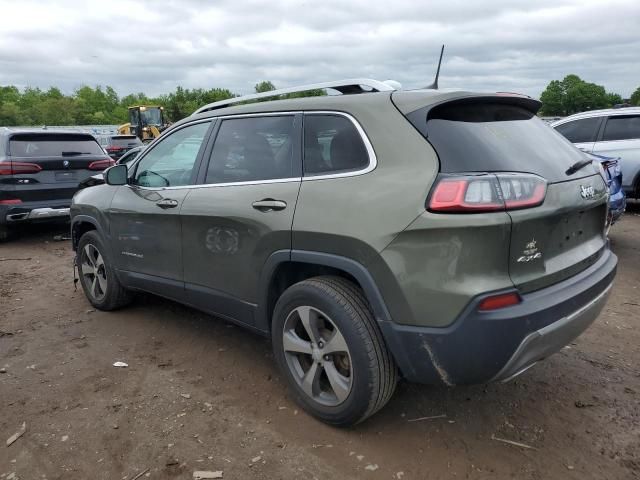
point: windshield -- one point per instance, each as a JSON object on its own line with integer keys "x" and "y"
{"x": 134, "y": 116}
{"x": 151, "y": 116}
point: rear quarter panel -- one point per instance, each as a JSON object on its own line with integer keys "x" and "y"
{"x": 358, "y": 216}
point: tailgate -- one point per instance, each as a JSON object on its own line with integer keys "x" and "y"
{"x": 496, "y": 155}
{"x": 561, "y": 237}
{"x": 50, "y": 165}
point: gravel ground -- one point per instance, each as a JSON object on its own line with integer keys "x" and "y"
{"x": 200, "y": 394}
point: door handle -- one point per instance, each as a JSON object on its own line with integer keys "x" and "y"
{"x": 268, "y": 204}
{"x": 167, "y": 203}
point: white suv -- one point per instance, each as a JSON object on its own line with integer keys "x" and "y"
{"x": 614, "y": 132}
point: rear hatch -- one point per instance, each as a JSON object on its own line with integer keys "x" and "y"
{"x": 121, "y": 144}
{"x": 504, "y": 158}
{"x": 45, "y": 166}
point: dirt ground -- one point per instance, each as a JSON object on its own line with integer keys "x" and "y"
{"x": 200, "y": 394}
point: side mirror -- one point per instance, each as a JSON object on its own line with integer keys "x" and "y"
{"x": 116, "y": 175}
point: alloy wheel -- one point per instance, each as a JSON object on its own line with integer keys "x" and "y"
{"x": 317, "y": 356}
{"x": 93, "y": 271}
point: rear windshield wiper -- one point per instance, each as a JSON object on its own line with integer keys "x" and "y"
{"x": 72, "y": 154}
{"x": 577, "y": 166}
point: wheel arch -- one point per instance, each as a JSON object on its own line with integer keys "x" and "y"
{"x": 81, "y": 224}
{"x": 284, "y": 268}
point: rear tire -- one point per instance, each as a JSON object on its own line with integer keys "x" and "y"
{"x": 341, "y": 372}
{"x": 4, "y": 233}
{"x": 97, "y": 274}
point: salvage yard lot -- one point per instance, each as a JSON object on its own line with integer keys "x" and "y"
{"x": 201, "y": 394}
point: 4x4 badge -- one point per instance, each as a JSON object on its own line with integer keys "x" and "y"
{"x": 587, "y": 192}
{"x": 530, "y": 252}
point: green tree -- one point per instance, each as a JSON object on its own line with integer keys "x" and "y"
{"x": 264, "y": 86}
{"x": 614, "y": 99}
{"x": 572, "y": 95}
{"x": 635, "y": 97}
{"x": 10, "y": 114}
{"x": 553, "y": 99}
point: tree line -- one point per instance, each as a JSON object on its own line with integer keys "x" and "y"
{"x": 573, "y": 95}
{"x": 103, "y": 106}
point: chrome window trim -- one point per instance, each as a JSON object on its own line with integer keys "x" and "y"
{"x": 373, "y": 161}
{"x": 227, "y": 184}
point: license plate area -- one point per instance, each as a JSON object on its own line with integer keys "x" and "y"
{"x": 65, "y": 176}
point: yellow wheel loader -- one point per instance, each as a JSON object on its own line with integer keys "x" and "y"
{"x": 145, "y": 121}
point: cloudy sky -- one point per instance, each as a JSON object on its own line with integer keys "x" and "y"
{"x": 508, "y": 45}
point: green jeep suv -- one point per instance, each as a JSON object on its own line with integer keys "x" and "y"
{"x": 440, "y": 236}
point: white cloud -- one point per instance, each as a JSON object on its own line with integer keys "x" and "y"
{"x": 138, "y": 46}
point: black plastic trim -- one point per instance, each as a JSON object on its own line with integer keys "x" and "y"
{"x": 353, "y": 268}
{"x": 84, "y": 219}
{"x": 477, "y": 345}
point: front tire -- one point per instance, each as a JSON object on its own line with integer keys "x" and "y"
{"x": 97, "y": 274}
{"x": 331, "y": 351}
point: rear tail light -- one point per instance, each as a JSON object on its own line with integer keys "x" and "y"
{"x": 11, "y": 201}
{"x": 487, "y": 192}
{"x": 101, "y": 164}
{"x": 17, "y": 168}
{"x": 114, "y": 149}
{"x": 501, "y": 300}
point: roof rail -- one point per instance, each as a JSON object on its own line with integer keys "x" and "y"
{"x": 352, "y": 85}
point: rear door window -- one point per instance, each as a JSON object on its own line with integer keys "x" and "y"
{"x": 53, "y": 145}
{"x": 580, "y": 131}
{"x": 622, "y": 127}
{"x": 253, "y": 149}
{"x": 332, "y": 144}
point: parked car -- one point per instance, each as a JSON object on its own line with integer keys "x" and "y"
{"x": 447, "y": 237}
{"x": 40, "y": 171}
{"x": 126, "y": 159}
{"x": 131, "y": 155}
{"x": 614, "y": 132}
{"x": 612, "y": 172}
{"x": 117, "y": 145}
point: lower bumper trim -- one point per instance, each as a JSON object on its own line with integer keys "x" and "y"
{"x": 38, "y": 213}
{"x": 543, "y": 342}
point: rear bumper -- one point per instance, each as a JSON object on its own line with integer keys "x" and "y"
{"x": 490, "y": 346}
{"x": 34, "y": 211}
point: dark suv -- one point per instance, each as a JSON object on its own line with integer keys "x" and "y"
{"x": 40, "y": 171}
{"x": 444, "y": 236}
{"x": 117, "y": 145}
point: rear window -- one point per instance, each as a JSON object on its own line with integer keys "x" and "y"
{"x": 126, "y": 141}
{"x": 472, "y": 136}
{"x": 52, "y": 145}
